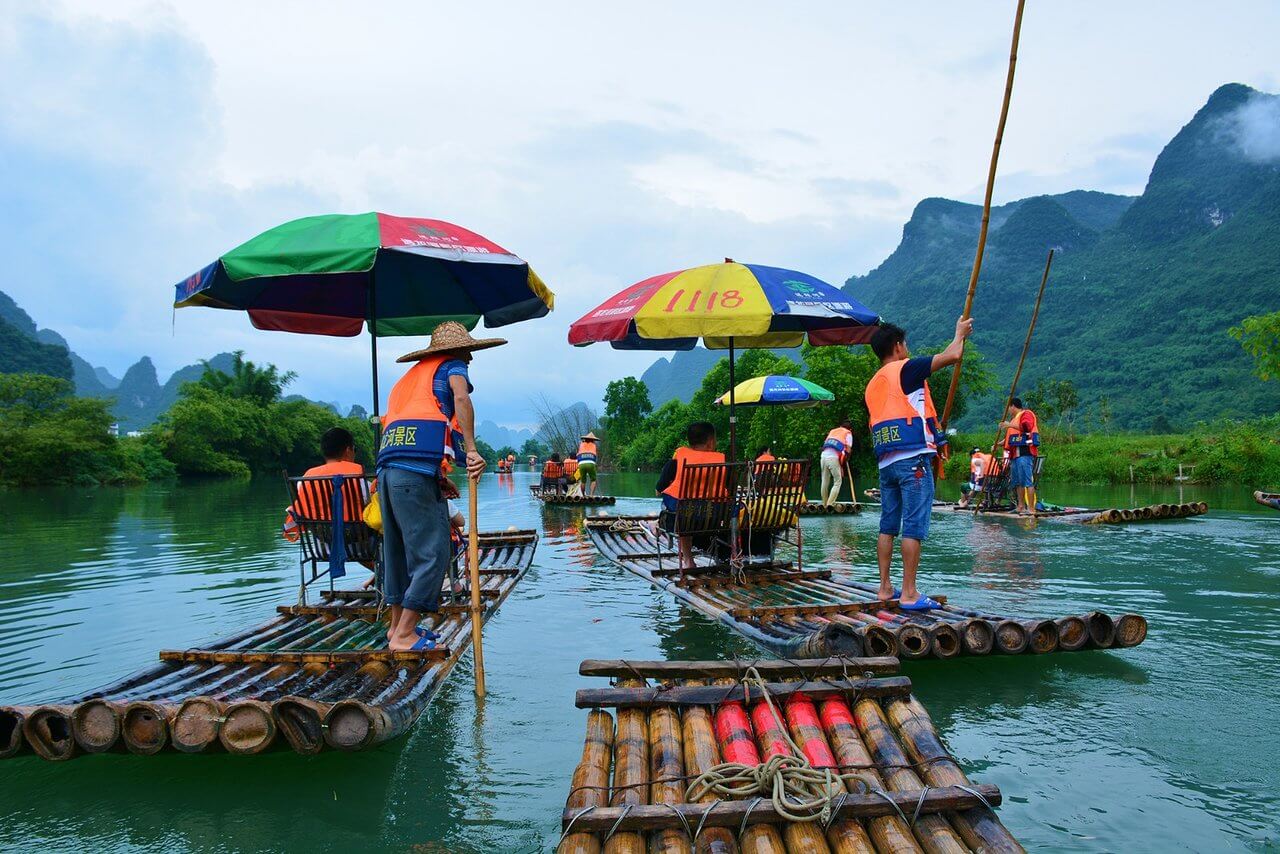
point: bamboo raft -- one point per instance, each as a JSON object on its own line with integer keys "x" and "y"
{"x": 314, "y": 677}
{"x": 816, "y": 508}
{"x": 551, "y": 496}
{"x": 1268, "y": 499}
{"x": 812, "y": 613}
{"x": 894, "y": 787}
{"x": 1108, "y": 516}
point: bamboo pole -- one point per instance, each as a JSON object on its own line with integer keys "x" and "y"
{"x": 630, "y": 770}
{"x": 590, "y": 787}
{"x": 979, "y": 827}
{"x": 473, "y": 564}
{"x": 889, "y": 832}
{"x": 1026, "y": 347}
{"x": 801, "y": 837}
{"x": 986, "y": 207}
{"x": 700, "y": 755}
{"x": 737, "y": 744}
{"x": 934, "y": 832}
{"x": 666, "y": 770}
{"x": 845, "y": 836}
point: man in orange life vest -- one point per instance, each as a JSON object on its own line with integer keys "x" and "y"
{"x": 1022, "y": 442}
{"x": 702, "y": 449}
{"x": 906, "y": 436}
{"x": 338, "y": 447}
{"x": 429, "y": 408}
{"x": 835, "y": 450}
{"x": 979, "y": 465}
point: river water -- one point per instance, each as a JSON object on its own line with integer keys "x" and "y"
{"x": 1168, "y": 746}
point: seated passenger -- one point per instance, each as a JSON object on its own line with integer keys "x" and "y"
{"x": 339, "y": 450}
{"x": 702, "y": 449}
{"x": 553, "y": 473}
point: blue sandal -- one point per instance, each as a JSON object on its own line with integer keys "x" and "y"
{"x": 423, "y": 644}
{"x": 924, "y": 603}
{"x": 426, "y": 633}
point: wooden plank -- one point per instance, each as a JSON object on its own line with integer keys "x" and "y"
{"x": 648, "y": 556}
{"x": 712, "y": 695}
{"x": 358, "y": 612}
{"x": 265, "y": 656}
{"x": 777, "y": 611}
{"x": 732, "y": 814}
{"x": 750, "y": 577}
{"x": 802, "y": 667}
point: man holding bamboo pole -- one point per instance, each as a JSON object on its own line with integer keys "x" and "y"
{"x": 429, "y": 410}
{"x": 906, "y": 437}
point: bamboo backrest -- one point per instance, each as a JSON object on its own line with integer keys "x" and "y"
{"x": 774, "y": 494}
{"x": 318, "y": 502}
{"x": 708, "y": 499}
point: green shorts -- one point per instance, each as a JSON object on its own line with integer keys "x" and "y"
{"x": 586, "y": 471}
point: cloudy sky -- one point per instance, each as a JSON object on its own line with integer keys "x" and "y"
{"x": 601, "y": 142}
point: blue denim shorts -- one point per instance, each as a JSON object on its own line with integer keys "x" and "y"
{"x": 906, "y": 497}
{"x": 1022, "y": 471}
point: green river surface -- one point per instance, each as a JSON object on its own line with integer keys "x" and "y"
{"x": 1168, "y": 746}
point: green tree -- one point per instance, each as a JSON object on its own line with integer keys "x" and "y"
{"x": 48, "y": 435}
{"x": 504, "y": 451}
{"x": 626, "y": 405}
{"x": 247, "y": 380}
{"x": 486, "y": 450}
{"x": 1260, "y": 337}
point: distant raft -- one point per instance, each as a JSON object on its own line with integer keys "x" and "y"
{"x": 552, "y": 496}
{"x": 811, "y": 613}
{"x": 876, "y": 774}
{"x": 1268, "y": 499}
{"x": 315, "y": 677}
{"x": 817, "y": 508}
{"x": 1089, "y": 516}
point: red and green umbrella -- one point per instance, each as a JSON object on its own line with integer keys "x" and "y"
{"x": 337, "y": 273}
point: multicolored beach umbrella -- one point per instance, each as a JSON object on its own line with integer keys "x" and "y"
{"x": 778, "y": 390}
{"x": 726, "y": 305}
{"x": 332, "y": 274}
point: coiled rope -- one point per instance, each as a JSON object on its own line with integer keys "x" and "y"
{"x": 799, "y": 791}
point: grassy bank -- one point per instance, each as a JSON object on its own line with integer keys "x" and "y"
{"x": 1247, "y": 453}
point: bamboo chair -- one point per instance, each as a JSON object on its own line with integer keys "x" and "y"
{"x": 317, "y": 502}
{"x": 708, "y": 511}
{"x": 771, "y": 504}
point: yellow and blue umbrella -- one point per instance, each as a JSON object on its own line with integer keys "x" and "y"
{"x": 777, "y": 390}
{"x": 726, "y": 306}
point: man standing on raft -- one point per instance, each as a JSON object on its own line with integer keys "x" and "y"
{"x": 588, "y": 452}
{"x": 433, "y": 396}
{"x": 906, "y": 437}
{"x": 1022, "y": 443}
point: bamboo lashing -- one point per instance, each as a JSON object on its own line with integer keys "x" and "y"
{"x": 986, "y": 209}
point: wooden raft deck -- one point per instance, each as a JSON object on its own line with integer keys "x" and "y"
{"x": 816, "y": 508}
{"x": 666, "y": 723}
{"x": 551, "y": 496}
{"x": 823, "y": 611}
{"x": 314, "y": 677}
{"x": 1095, "y": 516}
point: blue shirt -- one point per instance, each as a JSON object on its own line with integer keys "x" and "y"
{"x": 444, "y": 396}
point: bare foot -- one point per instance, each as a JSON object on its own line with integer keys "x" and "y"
{"x": 885, "y": 593}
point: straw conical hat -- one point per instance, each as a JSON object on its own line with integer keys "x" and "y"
{"x": 452, "y": 335}
{"x": 592, "y": 436}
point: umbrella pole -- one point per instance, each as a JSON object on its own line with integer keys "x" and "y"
{"x": 376, "y": 420}
{"x": 733, "y": 418}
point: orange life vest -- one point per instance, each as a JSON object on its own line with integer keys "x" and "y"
{"x": 766, "y": 457}
{"x": 896, "y": 425}
{"x": 1015, "y": 442}
{"x": 415, "y": 427}
{"x": 305, "y": 505}
{"x": 688, "y": 456}
{"x": 980, "y": 466}
{"x": 570, "y": 466}
{"x": 839, "y": 440}
{"x": 553, "y": 470}
{"x": 587, "y": 452}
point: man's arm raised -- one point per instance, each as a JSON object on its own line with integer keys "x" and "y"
{"x": 951, "y": 355}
